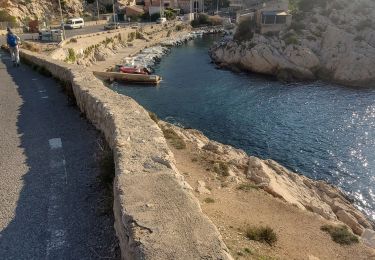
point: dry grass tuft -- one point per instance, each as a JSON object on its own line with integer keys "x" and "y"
{"x": 261, "y": 234}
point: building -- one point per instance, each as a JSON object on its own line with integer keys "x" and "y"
{"x": 268, "y": 17}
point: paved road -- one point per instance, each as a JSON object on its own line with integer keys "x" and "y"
{"x": 69, "y": 33}
{"x": 49, "y": 192}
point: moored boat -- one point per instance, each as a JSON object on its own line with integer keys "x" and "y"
{"x": 128, "y": 77}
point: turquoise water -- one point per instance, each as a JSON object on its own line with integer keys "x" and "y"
{"x": 321, "y": 130}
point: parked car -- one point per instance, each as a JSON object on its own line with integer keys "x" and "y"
{"x": 161, "y": 20}
{"x": 74, "y": 23}
{"x": 112, "y": 26}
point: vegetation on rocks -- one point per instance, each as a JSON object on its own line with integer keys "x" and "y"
{"x": 131, "y": 36}
{"x": 205, "y": 20}
{"x": 244, "y": 31}
{"x": 221, "y": 168}
{"x": 325, "y": 40}
{"x": 261, "y": 234}
{"x": 6, "y": 17}
{"x": 247, "y": 186}
{"x": 340, "y": 234}
{"x": 31, "y": 46}
{"x": 71, "y": 57}
{"x": 209, "y": 200}
{"x": 175, "y": 140}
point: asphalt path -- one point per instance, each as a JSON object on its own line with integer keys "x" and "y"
{"x": 50, "y": 198}
{"x": 68, "y": 33}
{"x": 71, "y": 32}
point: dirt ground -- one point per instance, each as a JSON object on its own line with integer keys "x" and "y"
{"x": 232, "y": 210}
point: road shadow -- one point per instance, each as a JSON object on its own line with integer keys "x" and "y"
{"x": 45, "y": 114}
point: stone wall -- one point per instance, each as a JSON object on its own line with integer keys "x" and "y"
{"x": 156, "y": 214}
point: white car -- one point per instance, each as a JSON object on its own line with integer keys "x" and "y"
{"x": 74, "y": 23}
{"x": 161, "y": 20}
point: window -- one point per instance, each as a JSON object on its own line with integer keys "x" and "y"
{"x": 281, "y": 19}
{"x": 268, "y": 19}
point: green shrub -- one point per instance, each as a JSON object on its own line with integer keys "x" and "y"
{"x": 138, "y": 35}
{"x": 71, "y": 56}
{"x": 205, "y": 20}
{"x": 364, "y": 24}
{"x": 6, "y": 17}
{"x": 271, "y": 34}
{"x": 245, "y": 30}
{"x": 340, "y": 234}
{"x": 291, "y": 40}
{"x": 297, "y": 26}
{"x": 170, "y": 14}
{"x": 247, "y": 187}
{"x": 209, "y": 200}
{"x": 179, "y": 27}
{"x": 153, "y": 116}
{"x": 221, "y": 168}
{"x": 107, "y": 41}
{"x": 131, "y": 36}
{"x": 261, "y": 234}
{"x": 175, "y": 140}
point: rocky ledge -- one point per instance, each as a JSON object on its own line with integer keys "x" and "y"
{"x": 334, "y": 42}
{"x": 306, "y": 194}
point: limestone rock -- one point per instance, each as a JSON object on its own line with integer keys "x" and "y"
{"x": 348, "y": 219}
{"x": 40, "y": 8}
{"x": 334, "y": 45}
{"x": 201, "y": 189}
{"x": 315, "y": 196}
{"x": 368, "y": 237}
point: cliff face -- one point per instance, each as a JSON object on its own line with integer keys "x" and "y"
{"x": 40, "y": 9}
{"x": 334, "y": 41}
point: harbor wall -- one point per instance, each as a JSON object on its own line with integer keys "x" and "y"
{"x": 156, "y": 214}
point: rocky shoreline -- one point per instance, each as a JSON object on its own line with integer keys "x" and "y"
{"x": 148, "y": 57}
{"x": 318, "y": 197}
{"x": 315, "y": 196}
{"x": 324, "y": 43}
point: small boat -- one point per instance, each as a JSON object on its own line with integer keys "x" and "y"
{"x": 128, "y": 77}
{"x": 134, "y": 70}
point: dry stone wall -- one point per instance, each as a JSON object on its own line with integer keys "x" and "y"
{"x": 156, "y": 214}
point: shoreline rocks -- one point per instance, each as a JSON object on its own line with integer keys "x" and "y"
{"x": 337, "y": 47}
{"x": 316, "y": 196}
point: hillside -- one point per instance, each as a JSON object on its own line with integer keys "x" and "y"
{"x": 41, "y": 9}
{"x": 333, "y": 40}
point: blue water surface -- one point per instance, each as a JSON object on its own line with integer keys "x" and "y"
{"x": 321, "y": 130}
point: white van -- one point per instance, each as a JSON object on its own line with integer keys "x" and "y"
{"x": 74, "y": 23}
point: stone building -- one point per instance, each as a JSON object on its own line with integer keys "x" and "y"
{"x": 268, "y": 17}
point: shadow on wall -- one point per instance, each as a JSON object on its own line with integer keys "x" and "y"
{"x": 59, "y": 208}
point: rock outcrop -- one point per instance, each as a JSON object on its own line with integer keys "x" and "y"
{"x": 335, "y": 42}
{"x": 307, "y": 194}
{"x": 41, "y": 9}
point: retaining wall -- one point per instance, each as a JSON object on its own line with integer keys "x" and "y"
{"x": 156, "y": 214}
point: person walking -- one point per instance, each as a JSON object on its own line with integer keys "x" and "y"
{"x": 13, "y": 44}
